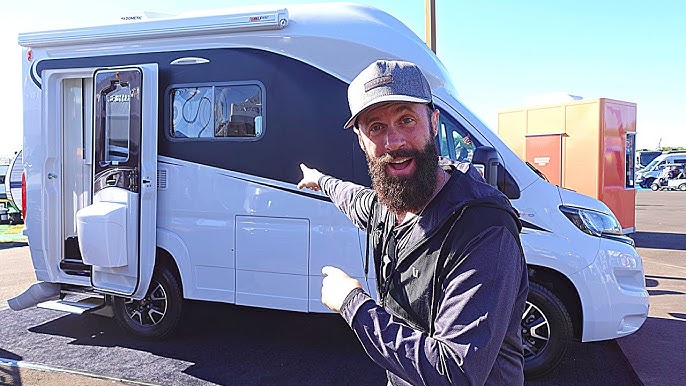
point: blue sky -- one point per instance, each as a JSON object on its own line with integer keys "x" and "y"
{"x": 500, "y": 54}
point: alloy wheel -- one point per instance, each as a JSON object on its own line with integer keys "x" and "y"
{"x": 535, "y": 331}
{"x": 150, "y": 310}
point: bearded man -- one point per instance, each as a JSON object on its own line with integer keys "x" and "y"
{"x": 450, "y": 271}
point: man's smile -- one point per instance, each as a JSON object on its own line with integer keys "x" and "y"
{"x": 400, "y": 166}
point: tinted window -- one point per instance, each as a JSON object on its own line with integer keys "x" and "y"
{"x": 456, "y": 143}
{"x": 454, "y": 140}
{"x": 217, "y": 111}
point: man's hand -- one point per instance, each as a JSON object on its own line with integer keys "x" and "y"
{"x": 336, "y": 286}
{"x": 310, "y": 178}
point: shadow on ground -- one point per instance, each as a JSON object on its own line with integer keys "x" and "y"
{"x": 9, "y": 374}
{"x": 227, "y": 344}
{"x": 13, "y": 244}
{"x": 660, "y": 240}
{"x": 659, "y": 344}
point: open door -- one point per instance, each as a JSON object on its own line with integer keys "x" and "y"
{"x": 116, "y": 233}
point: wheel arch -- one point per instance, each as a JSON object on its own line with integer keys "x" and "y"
{"x": 164, "y": 259}
{"x": 172, "y": 252}
{"x": 564, "y": 289}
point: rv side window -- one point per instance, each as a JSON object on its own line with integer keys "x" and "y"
{"x": 454, "y": 140}
{"x": 217, "y": 111}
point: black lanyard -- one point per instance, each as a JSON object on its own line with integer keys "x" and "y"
{"x": 389, "y": 262}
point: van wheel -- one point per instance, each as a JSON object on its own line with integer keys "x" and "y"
{"x": 156, "y": 315}
{"x": 682, "y": 187}
{"x": 655, "y": 186}
{"x": 546, "y": 331}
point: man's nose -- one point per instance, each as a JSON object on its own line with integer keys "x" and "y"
{"x": 395, "y": 138}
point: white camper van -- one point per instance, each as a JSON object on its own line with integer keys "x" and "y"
{"x": 161, "y": 162}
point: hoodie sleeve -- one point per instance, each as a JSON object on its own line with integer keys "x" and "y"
{"x": 479, "y": 297}
{"x": 353, "y": 200}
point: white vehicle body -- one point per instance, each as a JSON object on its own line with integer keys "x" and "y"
{"x": 226, "y": 212}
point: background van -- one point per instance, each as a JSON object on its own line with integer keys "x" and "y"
{"x": 647, "y": 175}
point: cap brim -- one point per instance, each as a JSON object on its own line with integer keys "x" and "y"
{"x": 384, "y": 99}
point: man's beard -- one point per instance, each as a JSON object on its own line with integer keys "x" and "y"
{"x": 407, "y": 193}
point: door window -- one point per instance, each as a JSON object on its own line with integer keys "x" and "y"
{"x": 117, "y": 126}
{"x": 454, "y": 140}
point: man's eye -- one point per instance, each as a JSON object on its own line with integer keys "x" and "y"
{"x": 408, "y": 120}
{"x": 373, "y": 128}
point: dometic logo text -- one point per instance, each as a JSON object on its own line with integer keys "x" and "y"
{"x": 118, "y": 98}
{"x": 258, "y": 18}
{"x": 128, "y": 18}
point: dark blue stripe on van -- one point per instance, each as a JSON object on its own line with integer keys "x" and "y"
{"x": 294, "y": 191}
{"x": 33, "y": 76}
{"x": 526, "y": 224}
{"x": 15, "y": 184}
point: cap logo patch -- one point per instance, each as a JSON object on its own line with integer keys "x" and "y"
{"x": 378, "y": 82}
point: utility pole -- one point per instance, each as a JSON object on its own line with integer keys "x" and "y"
{"x": 430, "y": 23}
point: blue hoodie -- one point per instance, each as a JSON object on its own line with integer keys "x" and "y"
{"x": 450, "y": 311}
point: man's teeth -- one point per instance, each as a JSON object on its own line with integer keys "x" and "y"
{"x": 399, "y": 161}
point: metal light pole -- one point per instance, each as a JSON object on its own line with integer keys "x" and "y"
{"x": 430, "y": 23}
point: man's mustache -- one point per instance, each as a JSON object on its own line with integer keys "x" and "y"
{"x": 400, "y": 153}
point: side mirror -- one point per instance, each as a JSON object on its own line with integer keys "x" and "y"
{"x": 486, "y": 159}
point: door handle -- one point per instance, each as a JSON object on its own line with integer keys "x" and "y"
{"x": 52, "y": 176}
{"x": 111, "y": 180}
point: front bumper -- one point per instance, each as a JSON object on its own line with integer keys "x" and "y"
{"x": 613, "y": 294}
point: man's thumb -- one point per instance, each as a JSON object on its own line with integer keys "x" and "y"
{"x": 331, "y": 271}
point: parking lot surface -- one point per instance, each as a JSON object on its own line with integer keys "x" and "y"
{"x": 656, "y": 351}
{"x": 224, "y": 344}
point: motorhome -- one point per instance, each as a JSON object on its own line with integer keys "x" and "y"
{"x": 161, "y": 161}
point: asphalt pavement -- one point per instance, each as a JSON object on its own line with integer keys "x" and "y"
{"x": 656, "y": 350}
{"x": 224, "y": 344}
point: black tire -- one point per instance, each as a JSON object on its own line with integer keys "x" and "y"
{"x": 544, "y": 317}
{"x": 155, "y": 316}
{"x": 682, "y": 187}
{"x": 649, "y": 182}
{"x": 655, "y": 187}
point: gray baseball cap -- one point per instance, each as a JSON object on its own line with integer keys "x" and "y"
{"x": 386, "y": 81}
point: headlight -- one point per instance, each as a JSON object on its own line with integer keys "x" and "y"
{"x": 596, "y": 223}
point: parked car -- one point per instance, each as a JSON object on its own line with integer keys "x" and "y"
{"x": 672, "y": 177}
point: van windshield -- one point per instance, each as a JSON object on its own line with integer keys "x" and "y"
{"x": 645, "y": 157}
{"x": 652, "y": 163}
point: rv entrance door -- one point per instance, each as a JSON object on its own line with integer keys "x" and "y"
{"x": 116, "y": 233}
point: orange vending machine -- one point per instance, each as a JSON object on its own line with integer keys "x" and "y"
{"x": 585, "y": 145}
